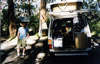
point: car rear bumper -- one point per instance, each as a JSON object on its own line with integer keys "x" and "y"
{"x": 70, "y": 52}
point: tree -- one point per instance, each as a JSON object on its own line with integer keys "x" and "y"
{"x": 42, "y": 25}
{"x": 29, "y": 10}
{"x": 93, "y": 17}
{"x": 11, "y": 15}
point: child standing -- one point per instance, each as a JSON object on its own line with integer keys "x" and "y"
{"x": 22, "y": 35}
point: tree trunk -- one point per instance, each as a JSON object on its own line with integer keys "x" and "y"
{"x": 43, "y": 25}
{"x": 98, "y": 2}
{"x": 12, "y": 29}
{"x": 29, "y": 9}
{"x": 12, "y": 23}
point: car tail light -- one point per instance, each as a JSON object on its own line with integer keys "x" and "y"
{"x": 50, "y": 43}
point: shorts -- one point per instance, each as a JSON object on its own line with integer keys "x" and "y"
{"x": 21, "y": 43}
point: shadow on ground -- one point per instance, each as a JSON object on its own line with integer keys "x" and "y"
{"x": 34, "y": 55}
{"x": 38, "y": 54}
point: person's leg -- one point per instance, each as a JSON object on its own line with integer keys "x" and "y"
{"x": 24, "y": 51}
{"x": 18, "y": 51}
{"x": 24, "y": 45}
{"x": 18, "y": 47}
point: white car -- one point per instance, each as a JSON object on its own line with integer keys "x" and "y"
{"x": 69, "y": 32}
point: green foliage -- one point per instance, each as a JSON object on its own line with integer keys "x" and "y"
{"x": 89, "y": 4}
{"x": 93, "y": 17}
{"x": 4, "y": 22}
{"x": 26, "y": 6}
{"x": 5, "y": 14}
{"x": 37, "y": 34}
{"x": 34, "y": 23}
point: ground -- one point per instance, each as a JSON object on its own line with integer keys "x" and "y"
{"x": 34, "y": 52}
{"x": 37, "y": 53}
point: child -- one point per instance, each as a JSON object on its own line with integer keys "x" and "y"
{"x": 22, "y": 36}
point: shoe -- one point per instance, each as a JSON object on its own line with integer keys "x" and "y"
{"x": 18, "y": 54}
{"x": 23, "y": 54}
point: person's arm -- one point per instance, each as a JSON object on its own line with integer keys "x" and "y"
{"x": 27, "y": 31}
{"x": 27, "y": 35}
{"x": 18, "y": 35}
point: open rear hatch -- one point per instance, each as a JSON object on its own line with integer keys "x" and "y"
{"x": 65, "y": 39}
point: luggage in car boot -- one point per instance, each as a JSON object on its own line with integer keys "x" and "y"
{"x": 80, "y": 40}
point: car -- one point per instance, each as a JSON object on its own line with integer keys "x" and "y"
{"x": 69, "y": 32}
